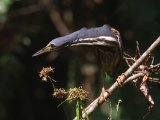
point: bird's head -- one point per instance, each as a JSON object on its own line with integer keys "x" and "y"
{"x": 57, "y": 43}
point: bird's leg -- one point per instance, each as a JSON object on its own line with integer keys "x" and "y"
{"x": 103, "y": 92}
{"x": 103, "y": 57}
{"x": 104, "y": 81}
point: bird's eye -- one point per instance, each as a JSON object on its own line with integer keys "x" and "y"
{"x": 51, "y": 45}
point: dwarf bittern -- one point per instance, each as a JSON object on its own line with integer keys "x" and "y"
{"x": 105, "y": 39}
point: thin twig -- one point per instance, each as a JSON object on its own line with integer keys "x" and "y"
{"x": 55, "y": 17}
{"x": 154, "y": 80}
{"x": 133, "y": 77}
{"x": 98, "y": 101}
{"x": 52, "y": 11}
{"x": 26, "y": 10}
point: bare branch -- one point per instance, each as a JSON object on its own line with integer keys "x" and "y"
{"x": 121, "y": 79}
{"x": 138, "y": 53}
{"x": 144, "y": 89}
{"x": 26, "y": 10}
{"x": 55, "y": 17}
{"x": 155, "y": 80}
{"x": 133, "y": 77}
{"x": 52, "y": 11}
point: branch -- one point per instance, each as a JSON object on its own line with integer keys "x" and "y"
{"x": 133, "y": 77}
{"x": 55, "y": 17}
{"x": 26, "y": 10}
{"x": 52, "y": 11}
{"x": 120, "y": 80}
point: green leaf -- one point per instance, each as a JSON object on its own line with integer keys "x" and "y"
{"x": 77, "y": 111}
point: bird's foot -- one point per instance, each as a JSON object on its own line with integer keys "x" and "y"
{"x": 102, "y": 94}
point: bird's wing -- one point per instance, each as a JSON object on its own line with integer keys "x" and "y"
{"x": 108, "y": 43}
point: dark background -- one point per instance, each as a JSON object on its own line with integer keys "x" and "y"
{"x": 28, "y": 25}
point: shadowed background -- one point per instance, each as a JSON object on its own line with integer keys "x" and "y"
{"x": 28, "y": 25}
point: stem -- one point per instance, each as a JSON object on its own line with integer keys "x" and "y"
{"x": 78, "y": 110}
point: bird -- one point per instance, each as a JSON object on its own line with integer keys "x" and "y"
{"x": 107, "y": 42}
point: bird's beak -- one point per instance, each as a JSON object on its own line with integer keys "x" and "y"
{"x": 43, "y": 50}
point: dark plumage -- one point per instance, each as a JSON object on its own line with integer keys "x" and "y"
{"x": 105, "y": 39}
